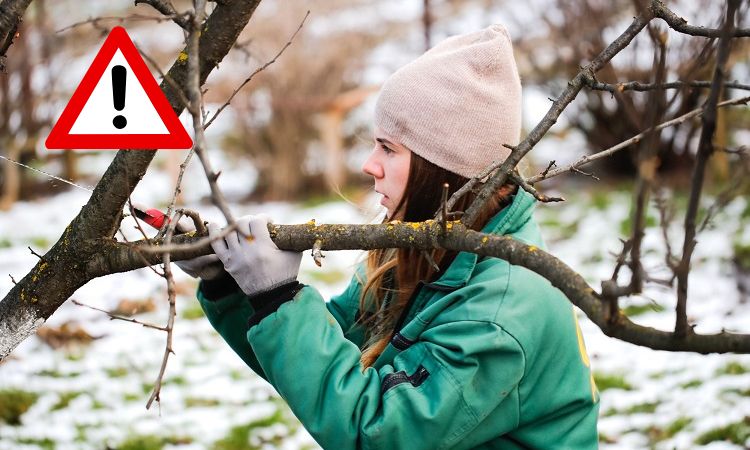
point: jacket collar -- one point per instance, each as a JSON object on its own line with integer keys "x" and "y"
{"x": 509, "y": 220}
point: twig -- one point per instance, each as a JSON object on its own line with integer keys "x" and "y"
{"x": 178, "y": 189}
{"x": 166, "y": 8}
{"x": 116, "y": 317}
{"x": 180, "y": 94}
{"x": 705, "y": 148}
{"x": 531, "y": 190}
{"x": 577, "y": 170}
{"x": 12, "y": 279}
{"x": 634, "y": 140}
{"x": 430, "y": 260}
{"x": 95, "y": 21}
{"x": 317, "y": 254}
{"x": 644, "y": 87}
{"x": 258, "y": 70}
{"x": 35, "y": 253}
{"x": 666, "y": 214}
{"x": 444, "y": 206}
{"x": 679, "y": 24}
{"x": 193, "y": 88}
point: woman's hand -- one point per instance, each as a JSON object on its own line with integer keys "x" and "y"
{"x": 255, "y": 262}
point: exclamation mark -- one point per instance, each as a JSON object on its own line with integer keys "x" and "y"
{"x": 118, "y": 95}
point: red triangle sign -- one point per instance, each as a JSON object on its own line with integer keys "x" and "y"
{"x": 118, "y": 105}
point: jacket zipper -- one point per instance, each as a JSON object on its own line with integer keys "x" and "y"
{"x": 396, "y": 378}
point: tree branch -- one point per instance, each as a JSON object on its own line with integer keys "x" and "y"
{"x": 705, "y": 149}
{"x": 30, "y": 303}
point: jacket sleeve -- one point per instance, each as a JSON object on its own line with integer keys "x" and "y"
{"x": 229, "y": 314}
{"x": 231, "y": 310}
{"x": 435, "y": 393}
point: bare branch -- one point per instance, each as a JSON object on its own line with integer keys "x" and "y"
{"x": 568, "y": 95}
{"x": 166, "y": 8}
{"x": 258, "y": 70}
{"x": 705, "y": 148}
{"x": 644, "y": 87}
{"x": 679, "y": 24}
{"x": 634, "y": 140}
{"x": 116, "y": 317}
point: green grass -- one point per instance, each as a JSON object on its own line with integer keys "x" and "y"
{"x": 326, "y": 276}
{"x": 193, "y": 312}
{"x": 611, "y": 381}
{"x": 736, "y": 433}
{"x": 14, "y": 403}
{"x": 742, "y": 255}
{"x": 5, "y": 243}
{"x": 238, "y": 437}
{"x": 637, "y": 310}
{"x": 640, "y": 408}
{"x": 691, "y": 384}
{"x": 732, "y": 368}
{"x": 65, "y": 399}
{"x": 657, "y": 434}
{"x": 44, "y": 444}
{"x": 116, "y": 372}
{"x": 197, "y": 402}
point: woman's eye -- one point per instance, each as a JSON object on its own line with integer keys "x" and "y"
{"x": 387, "y": 150}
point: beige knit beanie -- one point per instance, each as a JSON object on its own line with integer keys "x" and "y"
{"x": 457, "y": 104}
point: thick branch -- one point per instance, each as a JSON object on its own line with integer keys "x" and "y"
{"x": 11, "y": 14}
{"x": 50, "y": 283}
{"x": 430, "y": 234}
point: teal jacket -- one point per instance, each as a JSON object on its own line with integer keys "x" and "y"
{"x": 490, "y": 356}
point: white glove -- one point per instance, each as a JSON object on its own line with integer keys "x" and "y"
{"x": 255, "y": 262}
{"x": 206, "y": 267}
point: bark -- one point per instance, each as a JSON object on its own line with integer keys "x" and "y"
{"x": 455, "y": 236}
{"x": 63, "y": 269}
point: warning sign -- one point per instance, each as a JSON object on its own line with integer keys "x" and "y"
{"x": 118, "y": 105}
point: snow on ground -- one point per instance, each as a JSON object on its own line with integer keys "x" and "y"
{"x": 92, "y": 396}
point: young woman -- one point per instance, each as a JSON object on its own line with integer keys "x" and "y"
{"x": 477, "y": 354}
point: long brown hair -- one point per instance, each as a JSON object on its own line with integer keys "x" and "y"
{"x": 397, "y": 271}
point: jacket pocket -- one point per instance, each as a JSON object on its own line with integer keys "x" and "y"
{"x": 394, "y": 379}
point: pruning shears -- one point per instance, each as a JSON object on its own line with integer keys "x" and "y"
{"x": 156, "y": 218}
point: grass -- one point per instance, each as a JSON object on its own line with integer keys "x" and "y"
{"x": 611, "y": 381}
{"x": 238, "y": 437}
{"x": 637, "y": 310}
{"x": 326, "y": 276}
{"x": 116, "y": 372}
{"x": 657, "y": 434}
{"x": 65, "y": 399}
{"x": 14, "y": 403}
{"x": 737, "y": 433}
{"x": 691, "y": 384}
{"x": 732, "y": 368}
{"x": 43, "y": 443}
{"x": 639, "y": 408}
{"x": 197, "y": 402}
{"x": 193, "y": 312}
{"x": 152, "y": 442}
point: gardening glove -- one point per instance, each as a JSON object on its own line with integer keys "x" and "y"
{"x": 255, "y": 262}
{"x": 207, "y": 267}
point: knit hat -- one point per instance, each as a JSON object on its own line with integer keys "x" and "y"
{"x": 457, "y": 104}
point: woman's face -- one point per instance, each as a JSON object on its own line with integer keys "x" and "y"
{"x": 388, "y": 164}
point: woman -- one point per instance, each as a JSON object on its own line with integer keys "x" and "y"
{"x": 477, "y": 354}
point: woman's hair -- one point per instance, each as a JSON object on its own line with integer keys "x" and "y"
{"x": 397, "y": 271}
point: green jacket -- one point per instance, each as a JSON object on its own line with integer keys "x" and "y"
{"x": 490, "y": 356}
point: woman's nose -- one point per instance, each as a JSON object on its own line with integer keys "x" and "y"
{"x": 372, "y": 167}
